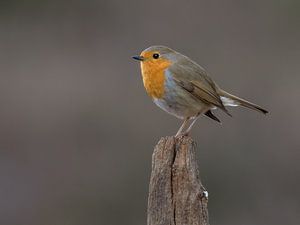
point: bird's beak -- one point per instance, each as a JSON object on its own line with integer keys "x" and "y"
{"x": 138, "y": 57}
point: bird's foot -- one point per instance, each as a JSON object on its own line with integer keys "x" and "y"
{"x": 183, "y": 134}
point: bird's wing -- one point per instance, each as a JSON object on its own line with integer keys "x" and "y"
{"x": 212, "y": 116}
{"x": 195, "y": 80}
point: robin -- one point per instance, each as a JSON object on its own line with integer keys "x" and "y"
{"x": 183, "y": 88}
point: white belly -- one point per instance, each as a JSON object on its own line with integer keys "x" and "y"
{"x": 191, "y": 109}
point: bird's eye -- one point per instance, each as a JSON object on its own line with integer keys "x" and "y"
{"x": 155, "y": 56}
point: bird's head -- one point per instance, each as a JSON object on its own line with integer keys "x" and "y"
{"x": 156, "y": 57}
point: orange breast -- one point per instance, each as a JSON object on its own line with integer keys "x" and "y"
{"x": 153, "y": 73}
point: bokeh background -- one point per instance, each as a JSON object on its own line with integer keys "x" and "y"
{"x": 77, "y": 129}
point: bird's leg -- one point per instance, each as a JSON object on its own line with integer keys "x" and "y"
{"x": 179, "y": 132}
{"x": 188, "y": 130}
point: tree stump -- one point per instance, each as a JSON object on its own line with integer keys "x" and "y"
{"x": 176, "y": 195}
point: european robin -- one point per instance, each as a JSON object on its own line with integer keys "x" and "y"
{"x": 183, "y": 88}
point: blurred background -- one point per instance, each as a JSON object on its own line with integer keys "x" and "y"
{"x": 77, "y": 129}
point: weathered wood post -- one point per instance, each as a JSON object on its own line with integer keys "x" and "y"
{"x": 176, "y": 195}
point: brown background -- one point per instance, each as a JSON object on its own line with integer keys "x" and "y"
{"x": 77, "y": 129}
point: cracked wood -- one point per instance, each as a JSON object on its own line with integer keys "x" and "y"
{"x": 176, "y": 195}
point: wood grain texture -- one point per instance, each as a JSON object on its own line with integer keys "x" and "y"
{"x": 176, "y": 195}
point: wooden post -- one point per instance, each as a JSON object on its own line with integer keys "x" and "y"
{"x": 176, "y": 195}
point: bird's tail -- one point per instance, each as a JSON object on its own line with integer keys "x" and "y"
{"x": 231, "y": 100}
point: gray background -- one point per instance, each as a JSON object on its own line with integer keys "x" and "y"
{"x": 77, "y": 129}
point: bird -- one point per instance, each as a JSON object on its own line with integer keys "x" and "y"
{"x": 183, "y": 88}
